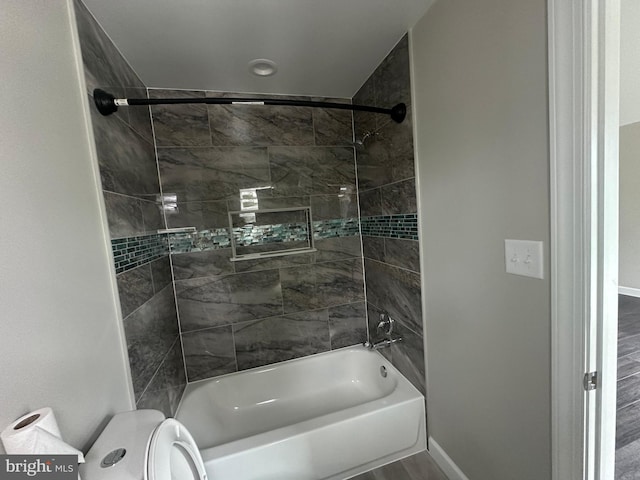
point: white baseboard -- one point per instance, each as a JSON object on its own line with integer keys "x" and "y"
{"x": 632, "y": 292}
{"x": 443, "y": 460}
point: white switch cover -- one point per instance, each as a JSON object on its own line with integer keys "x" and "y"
{"x": 524, "y": 257}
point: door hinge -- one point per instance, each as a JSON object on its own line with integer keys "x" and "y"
{"x": 590, "y": 381}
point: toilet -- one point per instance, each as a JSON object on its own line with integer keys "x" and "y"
{"x": 143, "y": 445}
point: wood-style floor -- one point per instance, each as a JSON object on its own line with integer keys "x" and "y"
{"x": 628, "y": 401}
{"x": 417, "y": 467}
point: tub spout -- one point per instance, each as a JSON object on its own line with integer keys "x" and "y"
{"x": 387, "y": 342}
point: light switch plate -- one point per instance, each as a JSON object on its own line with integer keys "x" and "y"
{"x": 524, "y": 257}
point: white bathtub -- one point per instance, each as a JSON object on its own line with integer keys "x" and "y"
{"x": 327, "y": 416}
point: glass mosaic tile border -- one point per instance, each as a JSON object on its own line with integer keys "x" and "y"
{"x": 131, "y": 252}
{"x": 391, "y": 226}
{"x": 265, "y": 234}
{"x": 200, "y": 241}
{"x": 340, "y": 227}
{"x": 204, "y": 240}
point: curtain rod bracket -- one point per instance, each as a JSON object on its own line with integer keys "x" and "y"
{"x": 105, "y": 102}
{"x": 399, "y": 112}
{"x": 108, "y": 104}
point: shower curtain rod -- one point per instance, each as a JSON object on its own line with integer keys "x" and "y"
{"x": 108, "y": 104}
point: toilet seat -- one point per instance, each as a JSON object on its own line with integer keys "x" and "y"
{"x": 173, "y": 454}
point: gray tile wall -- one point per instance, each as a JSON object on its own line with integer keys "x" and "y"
{"x": 239, "y": 315}
{"x": 386, "y": 181}
{"x": 128, "y": 170}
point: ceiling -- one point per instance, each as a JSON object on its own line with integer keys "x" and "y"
{"x": 324, "y": 48}
{"x": 630, "y": 62}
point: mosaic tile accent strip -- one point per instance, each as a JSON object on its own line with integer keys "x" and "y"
{"x": 341, "y": 227}
{"x": 391, "y": 226}
{"x": 131, "y": 252}
{"x": 200, "y": 241}
{"x": 205, "y": 240}
{"x": 265, "y": 234}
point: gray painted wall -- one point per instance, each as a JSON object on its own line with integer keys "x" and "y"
{"x": 480, "y": 81}
{"x": 629, "y": 272}
{"x": 61, "y": 338}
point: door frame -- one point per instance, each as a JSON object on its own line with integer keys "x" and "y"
{"x": 584, "y": 46}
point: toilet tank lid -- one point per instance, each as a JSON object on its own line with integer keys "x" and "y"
{"x": 130, "y": 431}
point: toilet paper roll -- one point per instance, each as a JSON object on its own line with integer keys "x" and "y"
{"x": 37, "y": 433}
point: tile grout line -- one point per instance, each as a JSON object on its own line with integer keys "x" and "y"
{"x": 243, "y": 322}
{"x": 164, "y": 216}
{"x": 364, "y": 270}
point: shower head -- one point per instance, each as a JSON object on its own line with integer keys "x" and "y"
{"x": 361, "y": 142}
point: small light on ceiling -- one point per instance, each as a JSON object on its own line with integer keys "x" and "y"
{"x": 263, "y": 67}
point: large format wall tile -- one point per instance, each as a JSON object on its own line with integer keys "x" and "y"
{"x": 399, "y": 197}
{"x": 387, "y": 156}
{"x": 329, "y": 207}
{"x": 392, "y": 77}
{"x": 150, "y": 332}
{"x": 270, "y": 263}
{"x": 338, "y": 248}
{"x": 402, "y": 253}
{"x": 281, "y": 338}
{"x": 339, "y": 282}
{"x": 161, "y": 273}
{"x": 297, "y": 171}
{"x": 167, "y": 385}
{"x": 216, "y": 173}
{"x": 370, "y": 202}
{"x": 394, "y": 251}
{"x": 135, "y": 288}
{"x": 180, "y": 125}
{"x": 201, "y": 215}
{"x": 373, "y": 248}
{"x": 211, "y": 263}
{"x": 321, "y": 285}
{"x": 124, "y": 215}
{"x": 152, "y": 215}
{"x": 131, "y": 216}
{"x": 139, "y": 115}
{"x": 127, "y": 161}
{"x": 364, "y": 122}
{"x": 213, "y": 301}
{"x": 209, "y": 352}
{"x": 260, "y": 125}
{"x": 396, "y": 143}
{"x": 406, "y": 355}
{"x": 395, "y": 290}
{"x": 332, "y": 126}
{"x": 347, "y": 325}
{"x": 375, "y": 165}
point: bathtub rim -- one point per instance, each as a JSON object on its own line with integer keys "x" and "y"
{"x": 358, "y": 347}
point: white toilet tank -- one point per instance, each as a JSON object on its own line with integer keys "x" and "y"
{"x": 120, "y": 452}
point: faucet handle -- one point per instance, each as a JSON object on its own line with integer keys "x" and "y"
{"x": 386, "y": 324}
